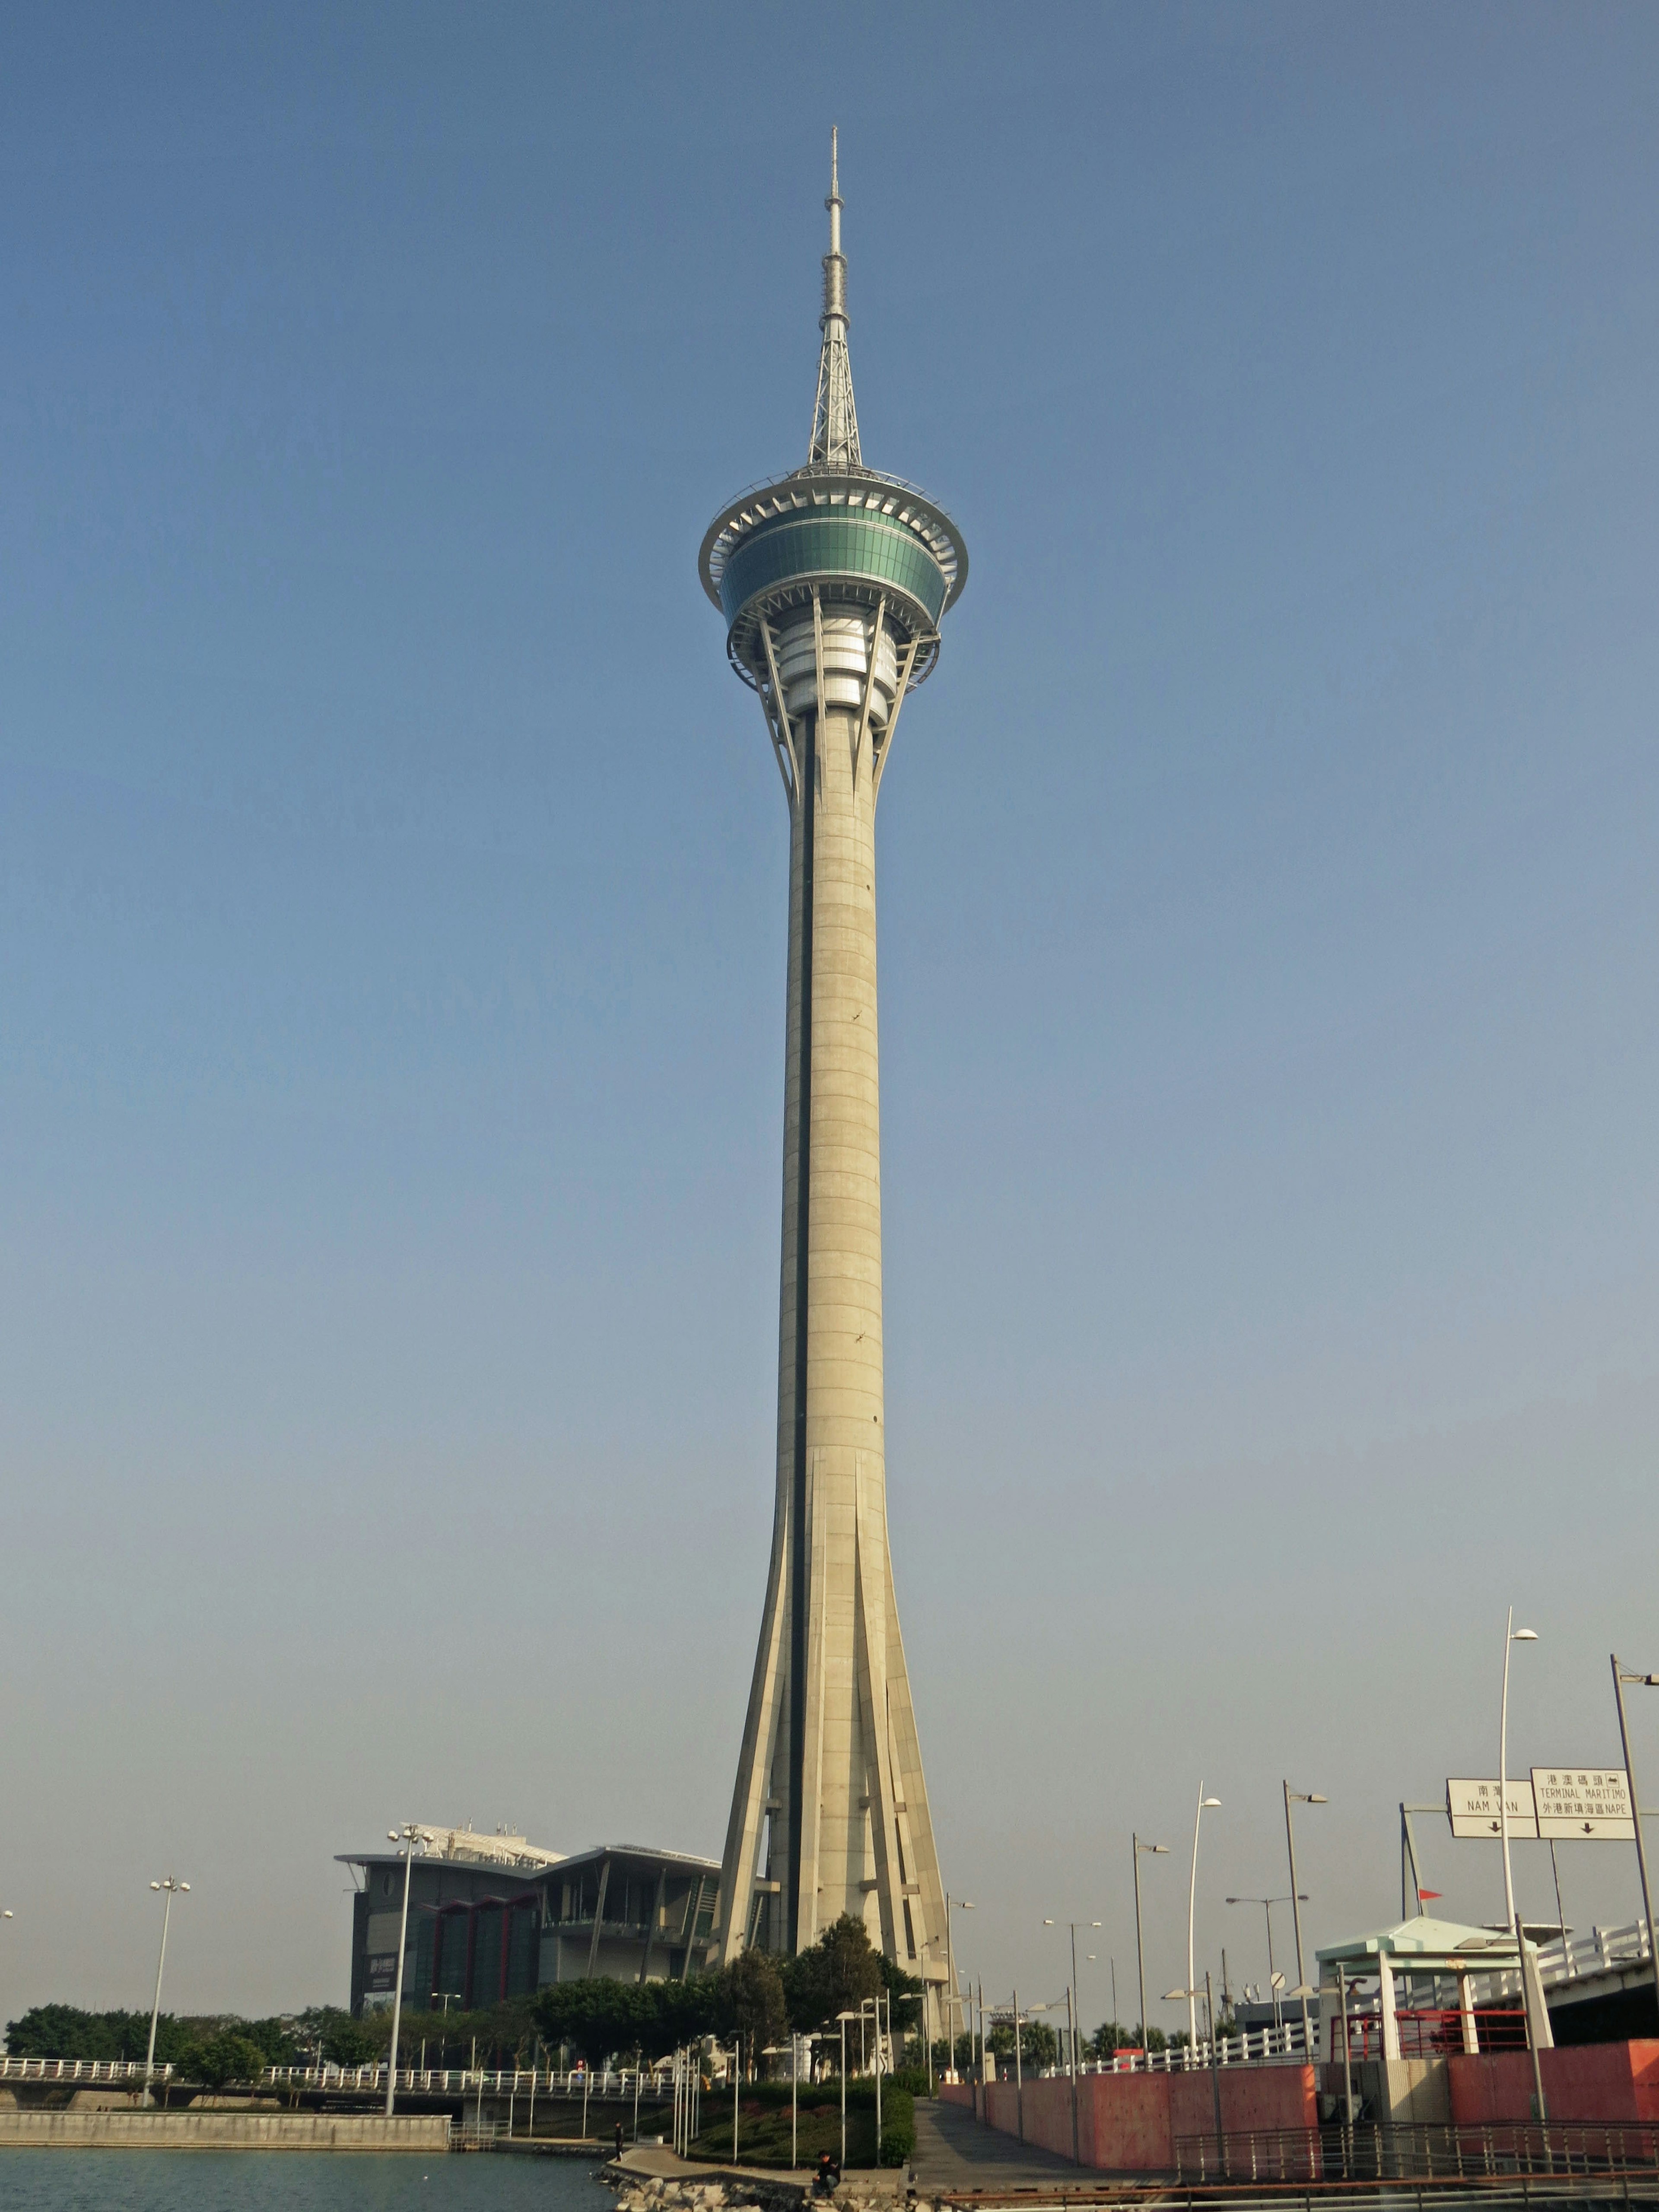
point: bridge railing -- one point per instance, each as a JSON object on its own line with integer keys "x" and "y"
{"x": 1416, "y": 2152}
{"x": 123, "y": 2072}
{"x": 458, "y": 2081}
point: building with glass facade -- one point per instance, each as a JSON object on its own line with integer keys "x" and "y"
{"x": 494, "y": 1917}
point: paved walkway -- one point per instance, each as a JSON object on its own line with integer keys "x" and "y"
{"x": 953, "y": 2151}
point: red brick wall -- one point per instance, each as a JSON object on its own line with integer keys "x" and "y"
{"x": 1123, "y": 2122}
{"x": 1127, "y": 2123}
{"x": 1583, "y": 2082}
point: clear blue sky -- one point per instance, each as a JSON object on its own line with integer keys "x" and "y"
{"x": 393, "y": 940}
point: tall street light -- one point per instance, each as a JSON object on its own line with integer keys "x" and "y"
{"x": 843, "y": 2017}
{"x": 1204, "y": 1804}
{"x": 1153, "y": 1851}
{"x": 1077, "y": 2007}
{"x": 406, "y": 1836}
{"x": 1649, "y": 1682}
{"x": 1511, "y": 1635}
{"x": 959, "y": 1905}
{"x": 1267, "y": 1904}
{"x": 1300, "y": 1797}
{"x": 170, "y": 1888}
{"x": 1192, "y": 1997}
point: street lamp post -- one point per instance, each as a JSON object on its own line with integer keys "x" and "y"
{"x": 1192, "y": 1995}
{"x": 170, "y": 1888}
{"x": 1267, "y": 1904}
{"x": 1204, "y": 1804}
{"x": 1019, "y": 2071}
{"x": 1511, "y": 1635}
{"x": 1300, "y": 1797}
{"x": 1649, "y": 1682}
{"x": 1077, "y": 2007}
{"x": 843, "y": 2017}
{"x": 963, "y": 1904}
{"x": 1153, "y": 1851}
{"x": 406, "y": 1836}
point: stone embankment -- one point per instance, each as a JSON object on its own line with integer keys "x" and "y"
{"x": 638, "y": 2192}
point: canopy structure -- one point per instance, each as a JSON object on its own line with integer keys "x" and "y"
{"x": 1421, "y": 1947}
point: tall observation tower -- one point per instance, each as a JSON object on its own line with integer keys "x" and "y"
{"x": 832, "y": 582}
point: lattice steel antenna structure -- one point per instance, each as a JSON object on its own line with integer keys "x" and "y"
{"x": 832, "y": 582}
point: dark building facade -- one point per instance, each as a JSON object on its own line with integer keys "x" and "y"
{"x": 492, "y": 1918}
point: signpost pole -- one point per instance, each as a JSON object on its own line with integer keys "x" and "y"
{"x": 1620, "y": 1679}
{"x": 1347, "y": 2062}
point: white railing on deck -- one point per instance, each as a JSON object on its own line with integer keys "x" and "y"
{"x": 1256, "y": 2047}
{"x": 457, "y": 2081}
{"x": 125, "y": 2071}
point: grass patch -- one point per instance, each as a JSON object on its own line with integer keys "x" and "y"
{"x": 763, "y": 2126}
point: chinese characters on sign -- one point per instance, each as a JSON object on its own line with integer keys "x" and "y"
{"x": 1588, "y": 1803}
{"x": 1474, "y": 1808}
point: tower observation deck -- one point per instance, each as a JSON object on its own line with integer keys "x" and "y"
{"x": 832, "y": 582}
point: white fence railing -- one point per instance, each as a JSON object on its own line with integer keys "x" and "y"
{"x": 467, "y": 2080}
{"x": 1258, "y": 2046}
{"x": 125, "y": 2072}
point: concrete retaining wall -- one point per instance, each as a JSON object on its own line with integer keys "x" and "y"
{"x": 1589, "y": 2083}
{"x": 1127, "y": 2123}
{"x": 135, "y": 2129}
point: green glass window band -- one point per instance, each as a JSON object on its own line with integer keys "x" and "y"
{"x": 863, "y": 545}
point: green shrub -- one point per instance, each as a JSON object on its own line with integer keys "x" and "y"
{"x": 899, "y": 2125}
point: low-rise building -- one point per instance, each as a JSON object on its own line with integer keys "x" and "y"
{"x": 493, "y": 1917}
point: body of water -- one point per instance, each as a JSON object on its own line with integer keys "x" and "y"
{"x": 293, "y": 2181}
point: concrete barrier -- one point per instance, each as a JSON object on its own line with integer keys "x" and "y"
{"x": 1127, "y": 2123}
{"x": 135, "y": 2129}
{"x": 1589, "y": 2084}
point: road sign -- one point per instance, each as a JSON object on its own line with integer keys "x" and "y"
{"x": 1473, "y": 1807}
{"x": 1590, "y": 1802}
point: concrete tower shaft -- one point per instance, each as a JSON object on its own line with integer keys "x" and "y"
{"x": 832, "y": 582}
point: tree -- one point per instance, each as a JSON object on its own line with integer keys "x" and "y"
{"x": 839, "y": 1971}
{"x": 1111, "y": 2035}
{"x": 348, "y": 2042}
{"x": 226, "y": 2057}
{"x": 752, "y": 2006}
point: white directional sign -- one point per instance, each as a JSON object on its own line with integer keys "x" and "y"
{"x": 1474, "y": 1808}
{"x": 1590, "y": 1802}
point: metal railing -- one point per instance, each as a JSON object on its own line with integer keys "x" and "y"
{"x": 1269, "y": 2046}
{"x": 1388, "y": 2151}
{"x": 1431, "y": 2031}
{"x": 125, "y": 2072}
{"x": 467, "y": 2080}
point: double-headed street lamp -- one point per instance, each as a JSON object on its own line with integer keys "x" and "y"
{"x": 1077, "y": 2007}
{"x": 1300, "y": 1797}
{"x": 1274, "y": 1979}
{"x": 1153, "y": 1851}
{"x": 1204, "y": 1805}
{"x": 170, "y": 1888}
{"x": 406, "y": 1836}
